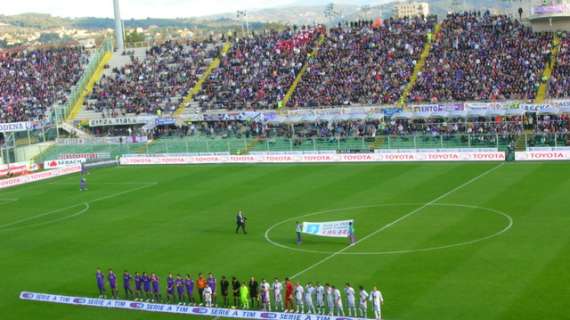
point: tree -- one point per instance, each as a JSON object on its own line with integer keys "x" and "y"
{"x": 134, "y": 36}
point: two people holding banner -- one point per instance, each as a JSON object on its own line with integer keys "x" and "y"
{"x": 344, "y": 228}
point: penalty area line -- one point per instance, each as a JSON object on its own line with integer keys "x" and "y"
{"x": 389, "y": 225}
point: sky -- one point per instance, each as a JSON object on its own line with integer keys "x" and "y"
{"x": 139, "y": 9}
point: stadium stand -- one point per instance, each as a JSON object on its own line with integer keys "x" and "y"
{"x": 364, "y": 64}
{"x": 478, "y": 56}
{"x": 154, "y": 84}
{"x": 31, "y": 81}
{"x": 559, "y": 85}
{"x": 258, "y": 70}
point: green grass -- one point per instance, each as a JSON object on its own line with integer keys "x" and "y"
{"x": 181, "y": 220}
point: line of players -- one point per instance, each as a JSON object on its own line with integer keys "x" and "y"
{"x": 288, "y": 297}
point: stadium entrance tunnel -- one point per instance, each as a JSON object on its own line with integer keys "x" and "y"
{"x": 436, "y": 226}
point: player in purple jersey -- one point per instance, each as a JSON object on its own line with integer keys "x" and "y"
{"x": 100, "y": 282}
{"x": 127, "y": 284}
{"x": 189, "y": 284}
{"x": 146, "y": 285}
{"x": 155, "y": 281}
{"x": 212, "y": 284}
{"x": 170, "y": 288}
{"x": 113, "y": 283}
{"x": 179, "y": 284}
{"x": 138, "y": 286}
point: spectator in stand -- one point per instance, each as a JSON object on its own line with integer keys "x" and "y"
{"x": 258, "y": 70}
{"x": 478, "y": 56}
{"x": 154, "y": 85}
{"x": 31, "y": 81}
{"x": 363, "y": 63}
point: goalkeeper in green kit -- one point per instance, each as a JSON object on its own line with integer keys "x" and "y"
{"x": 244, "y": 296}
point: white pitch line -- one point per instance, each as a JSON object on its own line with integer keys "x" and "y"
{"x": 407, "y": 215}
{"x": 8, "y": 226}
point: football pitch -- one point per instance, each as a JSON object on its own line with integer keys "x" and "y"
{"x": 440, "y": 240}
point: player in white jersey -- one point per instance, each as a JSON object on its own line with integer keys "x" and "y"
{"x": 265, "y": 293}
{"x": 377, "y": 302}
{"x": 330, "y": 298}
{"x": 350, "y": 299}
{"x": 299, "y": 306}
{"x": 363, "y": 306}
{"x": 309, "y": 292}
{"x": 338, "y": 301}
{"x": 207, "y": 294}
{"x": 320, "y": 298}
{"x": 277, "y": 294}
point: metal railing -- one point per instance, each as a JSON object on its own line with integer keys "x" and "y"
{"x": 250, "y": 145}
{"x": 61, "y": 112}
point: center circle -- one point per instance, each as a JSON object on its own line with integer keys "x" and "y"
{"x": 505, "y": 216}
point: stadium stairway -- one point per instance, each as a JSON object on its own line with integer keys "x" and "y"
{"x": 547, "y": 73}
{"x": 299, "y": 75}
{"x": 76, "y": 108}
{"x": 419, "y": 66}
{"x": 198, "y": 86}
{"x": 520, "y": 142}
{"x": 249, "y": 146}
{"x": 378, "y": 143}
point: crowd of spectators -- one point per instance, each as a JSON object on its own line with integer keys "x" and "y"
{"x": 547, "y": 124}
{"x": 155, "y": 84}
{"x": 371, "y": 128}
{"x": 31, "y": 81}
{"x": 479, "y": 56}
{"x": 364, "y": 63}
{"x": 559, "y": 86}
{"x": 258, "y": 70}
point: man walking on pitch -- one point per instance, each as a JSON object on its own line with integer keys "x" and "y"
{"x": 298, "y": 230}
{"x": 240, "y": 222}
